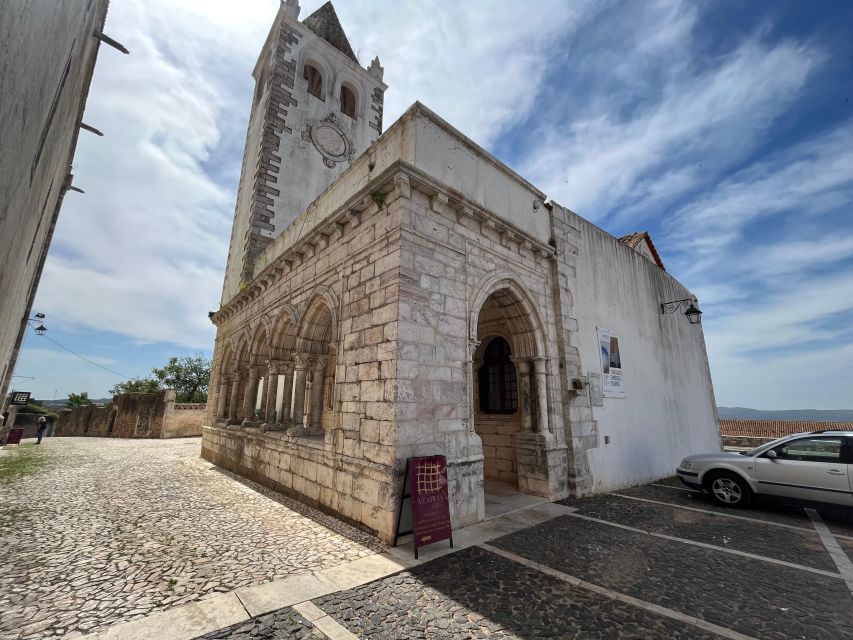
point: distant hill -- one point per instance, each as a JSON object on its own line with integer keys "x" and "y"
{"x": 808, "y": 415}
{"x": 58, "y": 404}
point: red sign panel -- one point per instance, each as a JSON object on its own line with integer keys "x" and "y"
{"x": 14, "y": 436}
{"x": 430, "y": 504}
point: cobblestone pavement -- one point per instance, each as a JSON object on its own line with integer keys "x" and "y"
{"x": 783, "y": 543}
{"x": 838, "y": 519}
{"x": 476, "y": 593}
{"x": 751, "y": 596}
{"x": 112, "y": 530}
{"x": 278, "y": 625}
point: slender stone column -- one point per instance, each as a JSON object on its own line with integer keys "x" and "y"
{"x": 318, "y": 383}
{"x": 299, "y": 378}
{"x": 250, "y": 398}
{"x": 524, "y": 399}
{"x": 234, "y": 401}
{"x": 541, "y": 393}
{"x": 286, "y": 392}
{"x": 223, "y": 396}
{"x": 472, "y": 348}
{"x": 270, "y": 393}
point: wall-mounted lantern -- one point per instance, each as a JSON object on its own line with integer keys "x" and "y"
{"x": 694, "y": 315}
{"x": 40, "y": 329}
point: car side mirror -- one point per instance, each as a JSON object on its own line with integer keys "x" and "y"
{"x": 772, "y": 454}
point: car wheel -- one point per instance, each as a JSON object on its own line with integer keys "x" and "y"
{"x": 729, "y": 490}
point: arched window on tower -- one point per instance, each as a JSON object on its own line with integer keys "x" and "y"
{"x": 315, "y": 81}
{"x": 347, "y": 102}
{"x": 498, "y": 382}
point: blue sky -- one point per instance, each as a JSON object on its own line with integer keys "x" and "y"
{"x": 724, "y": 129}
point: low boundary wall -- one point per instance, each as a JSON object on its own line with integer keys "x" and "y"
{"x": 135, "y": 415}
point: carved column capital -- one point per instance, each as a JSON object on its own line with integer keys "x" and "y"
{"x": 318, "y": 362}
{"x": 522, "y": 365}
{"x": 472, "y": 348}
{"x": 539, "y": 364}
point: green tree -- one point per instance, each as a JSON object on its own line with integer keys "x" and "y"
{"x": 77, "y": 400}
{"x": 35, "y": 409}
{"x": 189, "y": 376}
{"x": 137, "y": 385}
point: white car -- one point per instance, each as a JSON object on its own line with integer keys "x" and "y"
{"x": 815, "y": 466}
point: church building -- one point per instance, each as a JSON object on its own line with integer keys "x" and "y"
{"x": 401, "y": 293}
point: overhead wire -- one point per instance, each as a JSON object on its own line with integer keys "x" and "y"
{"x": 92, "y": 362}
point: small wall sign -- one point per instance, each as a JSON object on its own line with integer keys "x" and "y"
{"x": 612, "y": 384}
{"x": 19, "y": 398}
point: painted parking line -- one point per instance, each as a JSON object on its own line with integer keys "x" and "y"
{"x": 615, "y": 595}
{"x": 705, "y": 545}
{"x": 669, "y": 486}
{"x": 845, "y": 567}
{"x": 724, "y": 514}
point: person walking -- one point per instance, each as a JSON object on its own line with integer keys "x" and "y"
{"x": 41, "y": 429}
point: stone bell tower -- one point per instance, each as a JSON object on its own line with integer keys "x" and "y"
{"x": 315, "y": 109}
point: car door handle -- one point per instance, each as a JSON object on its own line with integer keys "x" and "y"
{"x": 835, "y": 472}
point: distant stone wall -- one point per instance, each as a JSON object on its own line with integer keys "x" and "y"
{"x": 90, "y": 420}
{"x": 135, "y": 415}
{"x": 183, "y": 419}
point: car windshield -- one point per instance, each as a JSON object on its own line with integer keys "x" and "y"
{"x": 766, "y": 445}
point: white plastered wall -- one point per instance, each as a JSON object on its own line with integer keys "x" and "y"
{"x": 670, "y": 410}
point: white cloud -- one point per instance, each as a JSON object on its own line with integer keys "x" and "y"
{"x": 813, "y": 177}
{"x": 143, "y": 251}
{"x": 622, "y": 116}
{"x": 478, "y": 64}
{"x": 615, "y": 158}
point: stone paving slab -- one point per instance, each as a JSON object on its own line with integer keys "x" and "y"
{"x": 753, "y": 597}
{"x": 114, "y": 530}
{"x": 789, "y": 545}
{"x": 838, "y": 519}
{"x": 477, "y": 594}
{"x": 279, "y": 625}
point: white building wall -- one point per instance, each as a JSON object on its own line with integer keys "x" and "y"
{"x": 47, "y": 57}
{"x": 670, "y": 410}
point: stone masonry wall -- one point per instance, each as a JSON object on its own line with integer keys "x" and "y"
{"x": 138, "y": 415}
{"x": 183, "y": 420}
{"x": 84, "y": 421}
{"x": 450, "y": 260}
{"x": 581, "y": 430}
{"x": 406, "y": 275}
{"x": 134, "y": 415}
{"x": 500, "y": 453}
{"x": 352, "y": 265}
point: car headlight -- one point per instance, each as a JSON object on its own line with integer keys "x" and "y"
{"x": 686, "y": 464}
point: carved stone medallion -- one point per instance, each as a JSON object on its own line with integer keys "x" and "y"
{"x": 329, "y": 139}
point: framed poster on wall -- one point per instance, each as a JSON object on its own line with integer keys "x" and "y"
{"x": 612, "y": 383}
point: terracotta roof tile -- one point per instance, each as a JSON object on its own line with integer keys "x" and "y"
{"x": 634, "y": 239}
{"x": 777, "y": 428}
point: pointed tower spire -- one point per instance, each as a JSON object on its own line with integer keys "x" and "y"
{"x": 324, "y": 23}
